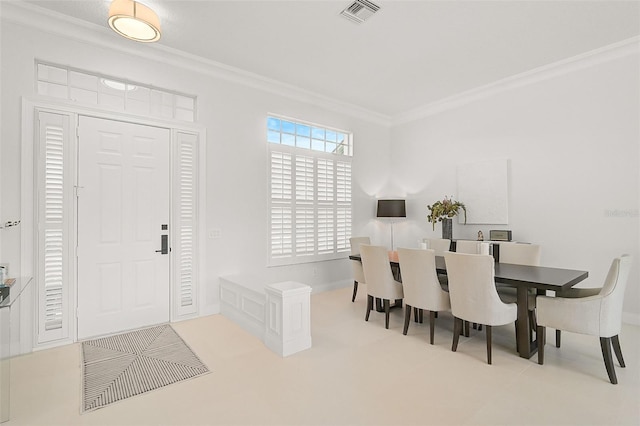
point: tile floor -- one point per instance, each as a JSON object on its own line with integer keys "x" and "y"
{"x": 356, "y": 373}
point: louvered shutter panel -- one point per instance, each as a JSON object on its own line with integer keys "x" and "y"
{"x": 343, "y": 198}
{"x": 53, "y": 217}
{"x": 281, "y": 205}
{"x": 184, "y": 249}
{"x": 304, "y": 206}
{"x": 326, "y": 211}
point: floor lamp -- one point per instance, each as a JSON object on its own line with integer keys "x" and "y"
{"x": 391, "y": 209}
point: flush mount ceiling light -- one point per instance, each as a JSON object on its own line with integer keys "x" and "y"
{"x": 134, "y": 21}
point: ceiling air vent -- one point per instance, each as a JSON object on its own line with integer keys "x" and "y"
{"x": 360, "y": 10}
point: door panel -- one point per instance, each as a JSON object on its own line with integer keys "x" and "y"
{"x": 123, "y": 201}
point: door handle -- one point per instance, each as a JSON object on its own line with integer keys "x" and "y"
{"x": 164, "y": 245}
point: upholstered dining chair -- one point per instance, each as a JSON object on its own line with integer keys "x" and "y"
{"x": 438, "y": 245}
{"x": 473, "y": 295}
{"x": 379, "y": 279}
{"x": 467, "y": 246}
{"x": 574, "y": 293}
{"x": 356, "y": 266}
{"x": 520, "y": 254}
{"x": 599, "y": 315}
{"x": 421, "y": 287}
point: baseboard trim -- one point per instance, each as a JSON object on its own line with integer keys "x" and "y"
{"x": 320, "y": 288}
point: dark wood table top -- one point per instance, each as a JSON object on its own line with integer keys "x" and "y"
{"x": 539, "y": 277}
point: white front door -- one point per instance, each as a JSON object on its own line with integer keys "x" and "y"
{"x": 123, "y": 212}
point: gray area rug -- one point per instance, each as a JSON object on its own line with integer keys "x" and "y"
{"x": 117, "y": 367}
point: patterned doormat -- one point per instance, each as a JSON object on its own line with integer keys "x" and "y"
{"x": 117, "y": 367}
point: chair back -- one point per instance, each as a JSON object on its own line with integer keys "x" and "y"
{"x": 472, "y": 247}
{"x": 420, "y": 280}
{"x": 377, "y": 273}
{"x": 612, "y": 294}
{"x": 438, "y": 245}
{"x": 520, "y": 254}
{"x": 356, "y": 266}
{"x": 473, "y": 292}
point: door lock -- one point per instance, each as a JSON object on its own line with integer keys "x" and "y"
{"x": 164, "y": 245}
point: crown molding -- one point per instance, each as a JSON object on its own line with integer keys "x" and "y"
{"x": 608, "y": 53}
{"x": 55, "y": 23}
{"x": 604, "y": 54}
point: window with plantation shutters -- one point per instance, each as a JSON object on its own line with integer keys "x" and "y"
{"x": 309, "y": 191}
{"x": 53, "y": 219}
{"x": 185, "y": 213}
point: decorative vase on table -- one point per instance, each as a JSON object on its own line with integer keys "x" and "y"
{"x": 443, "y": 211}
{"x": 447, "y": 228}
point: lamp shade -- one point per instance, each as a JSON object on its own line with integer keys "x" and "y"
{"x": 391, "y": 208}
{"x": 134, "y": 20}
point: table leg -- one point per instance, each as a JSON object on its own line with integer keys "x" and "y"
{"x": 526, "y": 347}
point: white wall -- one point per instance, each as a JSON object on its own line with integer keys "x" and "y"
{"x": 234, "y": 116}
{"x": 572, "y": 141}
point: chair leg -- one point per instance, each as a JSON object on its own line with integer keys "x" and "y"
{"x": 488, "y": 344}
{"x": 466, "y": 329}
{"x": 416, "y": 315}
{"x": 517, "y": 340}
{"x": 421, "y": 315}
{"x": 540, "y": 337}
{"x": 369, "y": 306}
{"x": 605, "y": 345}
{"x": 407, "y": 319}
{"x": 355, "y": 291}
{"x": 387, "y": 308}
{"x": 558, "y": 335}
{"x": 432, "y": 325}
{"x": 457, "y": 329}
{"x": 616, "y": 348}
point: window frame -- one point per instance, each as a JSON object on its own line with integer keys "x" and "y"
{"x": 337, "y": 211}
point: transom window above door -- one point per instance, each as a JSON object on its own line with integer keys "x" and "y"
{"x": 89, "y": 88}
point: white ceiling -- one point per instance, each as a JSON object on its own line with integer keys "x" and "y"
{"x": 409, "y": 54}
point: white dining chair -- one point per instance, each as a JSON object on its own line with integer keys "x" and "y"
{"x": 574, "y": 293}
{"x": 467, "y": 246}
{"x": 599, "y": 315}
{"x": 438, "y": 245}
{"x": 520, "y": 254}
{"x": 473, "y": 295}
{"x": 379, "y": 279}
{"x": 421, "y": 287}
{"x": 356, "y": 266}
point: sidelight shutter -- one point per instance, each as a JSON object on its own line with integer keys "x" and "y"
{"x": 53, "y": 275}
{"x": 184, "y": 248}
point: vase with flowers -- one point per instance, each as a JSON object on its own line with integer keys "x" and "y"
{"x": 443, "y": 211}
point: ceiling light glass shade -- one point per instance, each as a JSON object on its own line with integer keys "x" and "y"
{"x": 134, "y": 20}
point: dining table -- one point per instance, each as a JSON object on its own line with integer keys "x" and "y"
{"x": 523, "y": 278}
